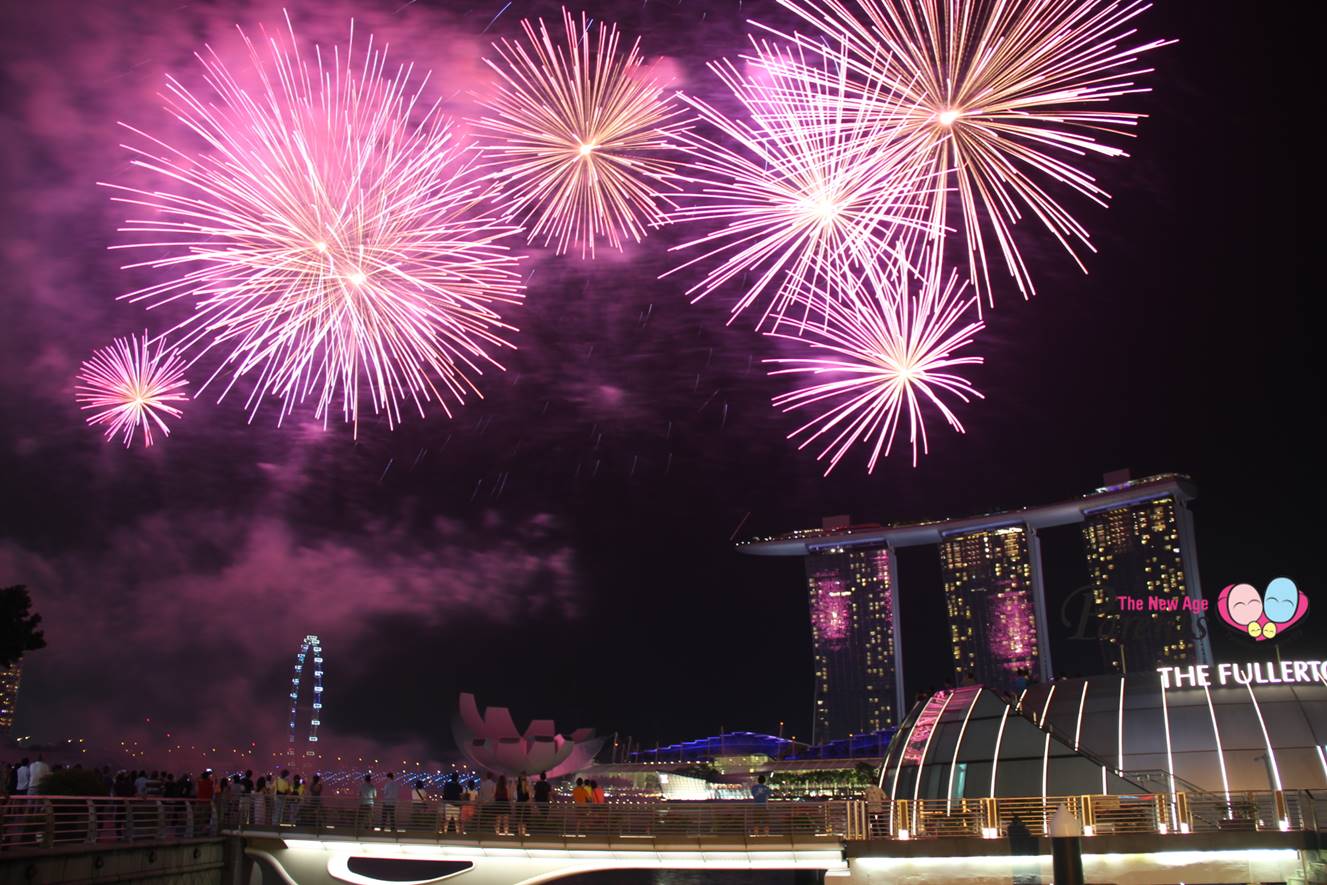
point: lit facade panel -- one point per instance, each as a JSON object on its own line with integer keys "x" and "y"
{"x": 852, "y": 637}
{"x": 1139, "y": 551}
{"x": 992, "y": 614}
{"x": 10, "y": 677}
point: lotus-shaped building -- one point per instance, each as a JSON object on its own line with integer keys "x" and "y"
{"x": 491, "y": 742}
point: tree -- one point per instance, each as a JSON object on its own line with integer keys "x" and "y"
{"x": 18, "y": 625}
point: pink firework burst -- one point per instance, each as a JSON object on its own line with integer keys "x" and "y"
{"x": 579, "y": 135}
{"x": 128, "y": 387}
{"x": 805, "y": 181}
{"x": 326, "y": 231}
{"x": 997, "y": 100}
{"x": 886, "y": 351}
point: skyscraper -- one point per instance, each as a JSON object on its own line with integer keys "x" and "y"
{"x": 1145, "y": 549}
{"x": 988, "y": 580}
{"x": 852, "y": 634}
{"x": 9, "y": 680}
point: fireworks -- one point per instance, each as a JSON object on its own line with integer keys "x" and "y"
{"x": 994, "y": 98}
{"x": 326, "y": 233}
{"x": 805, "y": 188}
{"x": 887, "y": 350}
{"x": 130, "y": 387}
{"x": 578, "y": 135}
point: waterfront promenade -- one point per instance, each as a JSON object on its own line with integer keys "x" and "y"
{"x": 1148, "y": 838}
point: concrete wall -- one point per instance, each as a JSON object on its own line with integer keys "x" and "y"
{"x": 199, "y": 862}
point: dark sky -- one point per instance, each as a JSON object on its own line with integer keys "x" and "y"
{"x": 563, "y": 547}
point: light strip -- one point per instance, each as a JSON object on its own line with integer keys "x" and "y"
{"x": 953, "y": 765}
{"x": 1045, "y": 767}
{"x": 1322, "y": 759}
{"x": 1220, "y": 754}
{"x": 1170, "y": 760}
{"x": 1046, "y": 708}
{"x": 1120, "y": 742}
{"x": 1271, "y": 754}
{"x": 921, "y": 763}
{"x": 819, "y": 857}
{"x": 1159, "y": 858}
{"x": 995, "y": 760}
{"x": 1078, "y": 728}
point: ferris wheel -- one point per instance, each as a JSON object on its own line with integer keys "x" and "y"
{"x": 311, "y": 644}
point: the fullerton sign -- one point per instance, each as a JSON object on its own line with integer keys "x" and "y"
{"x": 1257, "y": 673}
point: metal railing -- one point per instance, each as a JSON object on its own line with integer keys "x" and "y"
{"x": 1159, "y": 813}
{"x": 38, "y": 823}
{"x": 717, "y": 821}
{"x": 29, "y": 823}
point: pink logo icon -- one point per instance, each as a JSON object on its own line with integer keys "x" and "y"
{"x": 1262, "y": 616}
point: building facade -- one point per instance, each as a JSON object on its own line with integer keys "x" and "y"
{"x": 1144, "y": 551}
{"x": 10, "y": 677}
{"x": 988, "y": 578}
{"x": 1140, "y": 541}
{"x": 853, "y": 607}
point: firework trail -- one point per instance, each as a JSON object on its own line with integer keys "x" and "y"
{"x": 887, "y": 350}
{"x": 130, "y": 387}
{"x": 578, "y": 136}
{"x": 325, "y": 233}
{"x": 996, "y": 99}
{"x": 807, "y": 181}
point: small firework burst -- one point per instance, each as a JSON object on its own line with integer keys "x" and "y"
{"x": 578, "y": 136}
{"x": 129, "y": 387}
{"x": 890, "y": 349}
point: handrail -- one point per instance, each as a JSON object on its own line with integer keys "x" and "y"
{"x": 752, "y": 824}
{"x": 43, "y": 823}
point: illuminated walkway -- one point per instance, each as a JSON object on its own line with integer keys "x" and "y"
{"x": 1144, "y": 839}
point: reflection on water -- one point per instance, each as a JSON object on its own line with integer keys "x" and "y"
{"x": 697, "y": 877}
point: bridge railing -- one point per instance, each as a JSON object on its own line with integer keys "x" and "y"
{"x": 29, "y": 823}
{"x": 558, "y": 821}
{"x": 1160, "y": 813}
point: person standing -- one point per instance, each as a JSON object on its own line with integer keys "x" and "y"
{"x": 259, "y": 799}
{"x": 451, "y": 803}
{"x": 597, "y": 793}
{"x": 22, "y": 777}
{"x": 522, "y": 805}
{"x": 282, "y": 790}
{"x": 760, "y": 795}
{"x": 367, "y": 794}
{"x": 502, "y": 798}
{"x": 316, "y": 800}
{"x": 488, "y": 789}
{"x": 419, "y": 799}
{"x": 391, "y": 794}
{"x": 875, "y": 807}
{"x": 543, "y": 795}
{"x": 36, "y": 774}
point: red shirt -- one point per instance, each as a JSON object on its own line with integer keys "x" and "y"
{"x": 204, "y": 788}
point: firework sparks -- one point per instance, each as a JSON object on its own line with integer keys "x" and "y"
{"x": 805, "y": 187}
{"x": 326, "y": 234}
{"x": 887, "y": 350}
{"x": 578, "y": 136}
{"x": 131, "y": 388}
{"x": 995, "y": 98}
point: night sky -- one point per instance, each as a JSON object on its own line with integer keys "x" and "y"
{"x": 564, "y": 547}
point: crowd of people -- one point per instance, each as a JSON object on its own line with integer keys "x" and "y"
{"x": 23, "y": 777}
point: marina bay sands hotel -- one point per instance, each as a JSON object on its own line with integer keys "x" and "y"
{"x": 1139, "y": 541}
